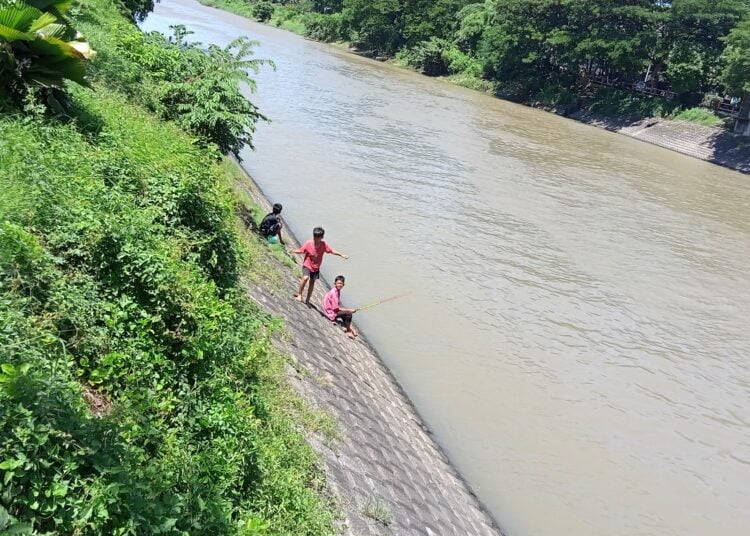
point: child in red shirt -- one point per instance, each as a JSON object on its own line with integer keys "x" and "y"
{"x": 314, "y": 250}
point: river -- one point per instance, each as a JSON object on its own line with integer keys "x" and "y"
{"x": 579, "y": 330}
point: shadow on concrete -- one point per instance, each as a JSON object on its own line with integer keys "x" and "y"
{"x": 614, "y": 124}
{"x": 730, "y": 150}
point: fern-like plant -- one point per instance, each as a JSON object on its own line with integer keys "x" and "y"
{"x": 202, "y": 89}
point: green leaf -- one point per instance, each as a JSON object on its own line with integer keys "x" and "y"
{"x": 46, "y": 19}
{"x": 59, "y": 489}
{"x": 11, "y": 34}
{"x": 19, "y": 17}
{"x": 168, "y": 525}
{"x": 4, "y": 517}
{"x": 20, "y": 528}
{"x": 58, "y": 7}
{"x": 11, "y": 464}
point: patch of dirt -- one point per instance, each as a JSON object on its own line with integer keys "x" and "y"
{"x": 99, "y": 405}
{"x": 246, "y": 216}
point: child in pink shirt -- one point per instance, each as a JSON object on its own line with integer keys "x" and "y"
{"x": 314, "y": 250}
{"x": 333, "y": 310}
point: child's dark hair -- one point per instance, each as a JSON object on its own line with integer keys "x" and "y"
{"x": 319, "y": 231}
{"x": 277, "y": 208}
{"x": 340, "y": 278}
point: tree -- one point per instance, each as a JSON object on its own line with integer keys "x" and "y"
{"x": 698, "y": 28}
{"x": 427, "y": 19}
{"x": 373, "y": 24}
{"x": 139, "y": 9}
{"x": 472, "y": 20}
{"x": 736, "y": 72}
{"x": 199, "y": 88}
{"x": 524, "y": 42}
{"x": 327, "y": 6}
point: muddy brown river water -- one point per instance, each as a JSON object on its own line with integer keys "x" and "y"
{"x": 579, "y": 334}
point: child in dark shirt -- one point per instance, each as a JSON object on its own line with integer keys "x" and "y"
{"x": 271, "y": 225}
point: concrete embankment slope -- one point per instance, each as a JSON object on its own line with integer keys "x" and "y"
{"x": 386, "y": 455}
{"x": 712, "y": 144}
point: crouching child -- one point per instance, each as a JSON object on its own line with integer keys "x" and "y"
{"x": 333, "y": 310}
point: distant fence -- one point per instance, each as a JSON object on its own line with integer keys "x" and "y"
{"x": 718, "y": 104}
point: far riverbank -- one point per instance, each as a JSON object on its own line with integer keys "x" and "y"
{"x": 711, "y": 144}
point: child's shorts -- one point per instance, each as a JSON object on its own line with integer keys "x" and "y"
{"x": 343, "y": 319}
{"x": 309, "y": 273}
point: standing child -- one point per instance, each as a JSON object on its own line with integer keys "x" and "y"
{"x": 333, "y": 310}
{"x": 313, "y": 250}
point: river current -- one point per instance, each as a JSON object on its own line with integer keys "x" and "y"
{"x": 579, "y": 329}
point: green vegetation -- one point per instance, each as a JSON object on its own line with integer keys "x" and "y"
{"x": 619, "y": 103}
{"x": 177, "y": 80}
{"x": 700, "y": 116}
{"x": 139, "y": 392}
{"x": 736, "y": 74}
{"x": 538, "y": 50}
{"x": 378, "y": 510}
{"x": 39, "y": 50}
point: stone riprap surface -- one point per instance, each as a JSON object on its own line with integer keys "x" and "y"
{"x": 712, "y": 144}
{"x": 386, "y": 465}
{"x": 386, "y": 454}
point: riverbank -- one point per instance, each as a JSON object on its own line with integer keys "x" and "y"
{"x": 712, "y": 144}
{"x": 388, "y": 473}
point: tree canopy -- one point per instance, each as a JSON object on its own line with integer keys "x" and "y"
{"x": 525, "y": 45}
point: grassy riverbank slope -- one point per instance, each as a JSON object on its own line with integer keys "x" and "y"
{"x": 139, "y": 392}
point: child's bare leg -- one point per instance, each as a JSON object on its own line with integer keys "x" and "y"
{"x": 309, "y": 291}
{"x": 302, "y": 283}
{"x": 349, "y": 328}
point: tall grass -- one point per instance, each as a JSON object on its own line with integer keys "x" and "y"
{"x": 700, "y": 116}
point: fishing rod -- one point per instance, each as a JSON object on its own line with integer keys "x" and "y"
{"x": 391, "y": 298}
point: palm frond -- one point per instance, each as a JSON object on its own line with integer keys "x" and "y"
{"x": 45, "y": 19}
{"x": 19, "y": 17}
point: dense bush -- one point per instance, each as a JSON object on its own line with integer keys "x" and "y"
{"x": 558, "y": 97}
{"x": 429, "y": 57}
{"x": 200, "y": 89}
{"x": 119, "y": 265}
{"x": 263, "y": 11}
{"x": 323, "y": 27}
{"x": 438, "y": 57}
{"x": 373, "y": 25}
{"x": 139, "y": 393}
{"x": 460, "y": 62}
{"x": 618, "y": 103}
